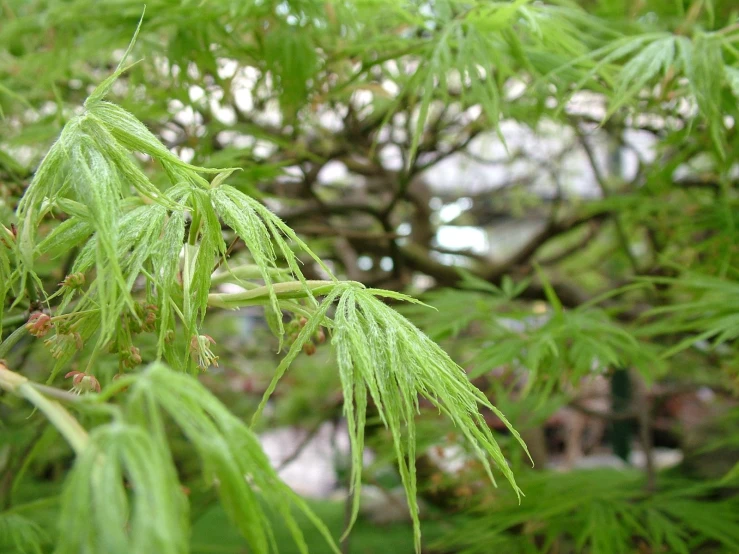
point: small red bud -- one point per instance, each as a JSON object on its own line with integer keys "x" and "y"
{"x": 38, "y": 324}
{"x": 309, "y": 348}
{"x": 135, "y": 355}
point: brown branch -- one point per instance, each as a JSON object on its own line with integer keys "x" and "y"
{"x": 467, "y": 253}
{"x": 419, "y": 259}
{"x": 339, "y": 208}
{"x": 608, "y": 416}
{"x": 295, "y": 454}
{"x": 457, "y": 148}
{"x": 326, "y": 231}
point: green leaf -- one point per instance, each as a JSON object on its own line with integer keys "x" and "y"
{"x": 706, "y": 80}
{"x": 383, "y": 357}
{"x": 259, "y": 229}
{"x": 21, "y": 535}
{"x": 230, "y": 453}
{"x": 652, "y": 61}
{"x": 96, "y": 510}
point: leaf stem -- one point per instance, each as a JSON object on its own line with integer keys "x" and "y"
{"x": 292, "y": 289}
{"x": 12, "y": 340}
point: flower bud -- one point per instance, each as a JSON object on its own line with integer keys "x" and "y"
{"x": 38, "y": 324}
{"x": 131, "y": 358}
{"x": 83, "y": 382}
{"x": 73, "y": 281}
{"x": 201, "y": 352}
{"x": 150, "y": 318}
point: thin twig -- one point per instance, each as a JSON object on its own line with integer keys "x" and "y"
{"x": 300, "y": 448}
{"x": 229, "y": 250}
{"x": 608, "y": 416}
{"x": 347, "y": 233}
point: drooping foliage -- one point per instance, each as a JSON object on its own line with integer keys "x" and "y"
{"x": 128, "y": 229}
{"x": 134, "y": 195}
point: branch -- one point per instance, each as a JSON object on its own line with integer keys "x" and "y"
{"x": 608, "y": 416}
{"x": 326, "y": 231}
{"x": 418, "y": 259}
{"x": 457, "y": 148}
{"x": 260, "y": 295}
{"x": 300, "y": 447}
{"x": 467, "y": 253}
{"x": 344, "y": 208}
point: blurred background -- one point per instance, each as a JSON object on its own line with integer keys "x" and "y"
{"x": 557, "y": 181}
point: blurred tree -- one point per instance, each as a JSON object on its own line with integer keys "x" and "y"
{"x": 557, "y": 178}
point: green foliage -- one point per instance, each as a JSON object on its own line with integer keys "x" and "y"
{"x": 706, "y": 311}
{"x": 606, "y": 514}
{"x": 230, "y": 453}
{"x": 122, "y": 238}
{"x": 131, "y": 192}
{"x": 20, "y": 534}
{"x": 385, "y": 359}
{"x": 96, "y": 513}
{"x": 379, "y": 353}
{"x": 556, "y": 348}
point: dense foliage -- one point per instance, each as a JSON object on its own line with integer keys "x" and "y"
{"x": 307, "y": 158}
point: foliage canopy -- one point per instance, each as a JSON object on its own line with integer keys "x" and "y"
{"x": 166, "y": 190}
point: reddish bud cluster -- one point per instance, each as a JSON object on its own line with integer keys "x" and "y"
{"x": 146, "y": 318}
{"x": 309, "y": 348}
{"x": 39, "y": 324}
